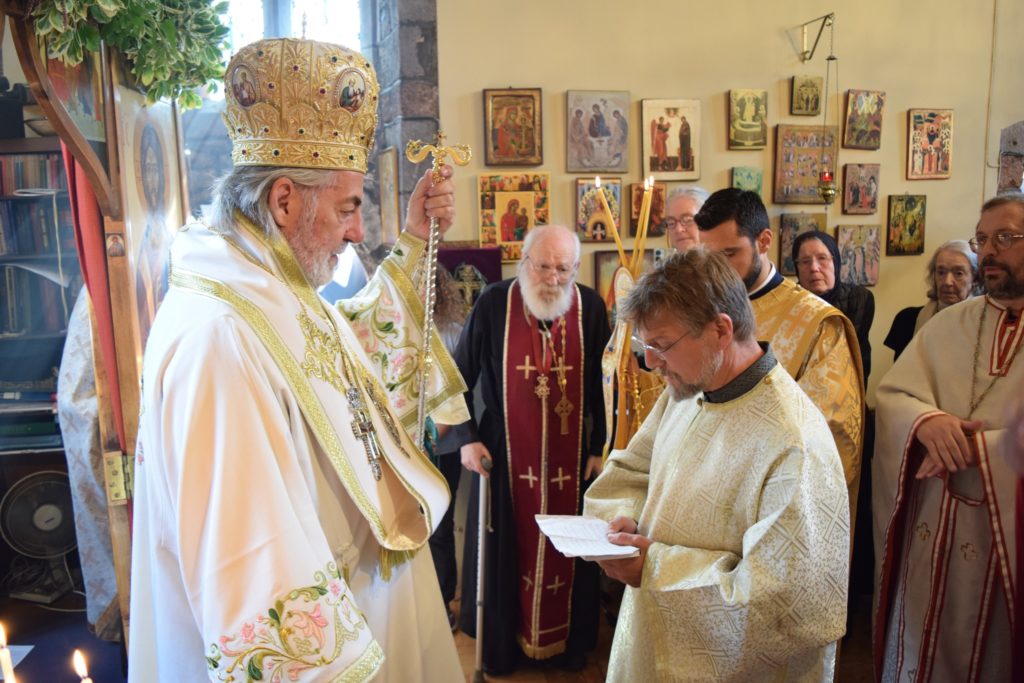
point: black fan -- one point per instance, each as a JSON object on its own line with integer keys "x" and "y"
{"x": 37, "y": 521}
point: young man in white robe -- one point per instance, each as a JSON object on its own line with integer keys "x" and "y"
{"x": 732, "y": 491}
{"x": 281, "y": 498}
{"x": 943, "y": 493}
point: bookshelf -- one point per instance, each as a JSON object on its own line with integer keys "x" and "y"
{"x": 40, "y": 277}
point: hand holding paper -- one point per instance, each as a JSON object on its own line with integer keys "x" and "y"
{"x": 585, "y": 537}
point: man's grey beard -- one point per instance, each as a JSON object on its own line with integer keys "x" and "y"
{"x": 543, "y": 310}
{"x": 304, "y": 244}
{"x": 711, "y": 363}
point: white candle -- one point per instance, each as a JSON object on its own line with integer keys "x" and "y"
{"x": 78, "y": 660}
{"x": 6, "y": 665}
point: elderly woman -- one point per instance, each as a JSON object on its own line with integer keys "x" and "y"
{"x": 818, "y": 268}
{"x": 952, "y": 277}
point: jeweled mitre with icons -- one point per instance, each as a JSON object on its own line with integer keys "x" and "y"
{"x": 302, "y": 104}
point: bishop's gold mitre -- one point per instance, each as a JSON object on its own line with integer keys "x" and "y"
{"x": 300, "y": 104}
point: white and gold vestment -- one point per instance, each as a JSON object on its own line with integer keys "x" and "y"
{"x": 746, "y": 503}
{"x": 946, "y": 547}
{"x": 268, "y": 543}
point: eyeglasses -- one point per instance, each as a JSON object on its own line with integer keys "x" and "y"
{"x": 545, "y": 271}
{"x": 1001, "y": 240}
{"x": 822, "y": 260}
{"x": 671, "y": 222}
{"x": 655, "y": 351}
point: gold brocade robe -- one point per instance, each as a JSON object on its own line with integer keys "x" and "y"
{"x": 746, "y": 504}
{"x": 818, "y": 346}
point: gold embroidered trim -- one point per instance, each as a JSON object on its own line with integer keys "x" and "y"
{"x": 453, "y": 382}
{"x": 305, "y": 394}
{"x": 364, "y": 668}
{"x": 322, "y": 353}
{"x": 295, "y": 280}
{"x": 290, "y": 635}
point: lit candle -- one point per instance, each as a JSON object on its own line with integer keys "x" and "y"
{"x": 826, "y": 176}
{"x": 6, "y": 665}
{"x": 79, "y": 663}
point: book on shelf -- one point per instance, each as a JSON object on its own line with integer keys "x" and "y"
{"x": 15, "y": 396}
{"x": 28, "y": 228}
{"x": 31, "y": 170}
{"x": 32, "y": 300}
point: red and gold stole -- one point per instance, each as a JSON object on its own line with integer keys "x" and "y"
{"x": 544, "y": 440}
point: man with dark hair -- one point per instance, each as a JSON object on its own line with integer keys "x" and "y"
{"x": 946, "y": 534}
{"x": 813, "y": 341}
{"x": 732, "y": 492}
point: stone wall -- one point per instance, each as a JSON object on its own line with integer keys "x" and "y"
{"x": 400, "y": 38}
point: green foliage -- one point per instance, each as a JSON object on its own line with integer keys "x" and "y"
{"x": 172, "y": 47}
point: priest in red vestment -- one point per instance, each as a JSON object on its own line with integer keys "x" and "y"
{"x": 535, "y": 344}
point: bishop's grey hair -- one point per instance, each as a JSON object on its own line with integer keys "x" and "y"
{"x": 247, "y": 189}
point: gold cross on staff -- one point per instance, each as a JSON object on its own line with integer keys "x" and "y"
{"x": 416, "y": 151}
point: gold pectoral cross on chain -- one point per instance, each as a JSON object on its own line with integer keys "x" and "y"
{"x": 362, "y": 427}
{"x": 564, "y": 406}
{"x": 564, "y": 409}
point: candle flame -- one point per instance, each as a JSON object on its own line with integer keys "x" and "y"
{"x": 3, "y": 636}
{"x": 79, "y": 661}
{"x": 597, "y": 182}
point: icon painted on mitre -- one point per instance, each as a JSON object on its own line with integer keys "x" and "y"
{"x": 352, "y": 87}
{"x": 243, "y": 85}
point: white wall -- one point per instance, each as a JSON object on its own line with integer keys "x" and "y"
{"x": 943, "y": 54}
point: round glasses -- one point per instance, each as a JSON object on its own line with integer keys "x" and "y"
{"x": 671, "y": 222}
{"x": 654, "y": 350}
{"x": 1001, "y": 240}
{"x": 563, "y": 273}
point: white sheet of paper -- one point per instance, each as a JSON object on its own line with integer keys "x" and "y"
{"x": 585, "y": 537}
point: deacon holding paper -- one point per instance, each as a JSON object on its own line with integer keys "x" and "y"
{"x": 732, "y": 490}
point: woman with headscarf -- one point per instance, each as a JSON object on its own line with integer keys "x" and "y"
{"x": 952, "y": 277}
{"x": 818, "y": 268}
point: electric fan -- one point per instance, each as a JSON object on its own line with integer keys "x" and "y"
{"x": 37, "y": 521}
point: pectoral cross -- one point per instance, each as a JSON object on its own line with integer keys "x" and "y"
{"x": 362, "y": 427}
{"x": 564, "y": 409}
{"x": 564, "y": 406}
